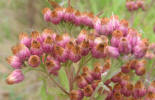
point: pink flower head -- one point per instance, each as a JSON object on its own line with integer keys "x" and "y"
{"x": 77, "y": 20}
{"x": 97, "y": 71}
{"x": 133, "y": 37}
{"x": 106, "y": 26}
{"x": 117, "y": 88}
{"x": 124, "y": 46}
{"x": 55, "y": 19}
{"x": 36, "y": 48}
{"x": 140, "y": 49}
{"x": 114, "y": 21}
{"x": 124, "y": 79}
{"x": 47, "y": 33}
{"x": 124, "y": 27}
{"x": 76, "y": 95}
{"x": 34, "y": 61}
{"x": 24, "y": 39}
{"x": 47, "y": 14}
{"x": 126, "y": 68}
{"x": 150, "y": 96}
{"x": 91, "y": 38}
{"x": 95, "y": 84}
{"x": 140, "y": 68}
{"x": 14, "y": 61}
{"x": 62, "y": 40}
{"x": 69, "y": 14}
{"x": 116, "y": 37}
{"x": 60, "y": 12}
{"x": 88, "y": 90}
{"x": 85, "y": 48}
{"x": 117, "y": 78}
{"x": 47, "y": 45}
{"x": 127, "y": 89}
{"x": 87, "y": 19}
{"x": 60, "y": 53}
{"x": 152, "y": 87}
{"x": 98, "y": 49}
{"x": 117, "y": 96}
{"x": 21, "y": 51}
{"x": 97, "y": 25}
{"x": 130, "y": 5}
{"x": 75, "y": 53}
{"x": 36, "y": 36}
{"x": 139, "y": 90}
{"x": 133, "y": 63}
{"x": 53, "y": 66}
{"x": 88, "y": 77}
{"x": 81, "y": 82}
{"x": 112, "y": 51}
{"x": 15, "y": 77}
{"x": 82, "y": 36}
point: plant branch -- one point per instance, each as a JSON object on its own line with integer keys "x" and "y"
{"x": 58, "y": 85}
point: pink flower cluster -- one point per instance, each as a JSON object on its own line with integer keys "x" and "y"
{"x": 89, "y": 80}
{"x": 132, "y": 5}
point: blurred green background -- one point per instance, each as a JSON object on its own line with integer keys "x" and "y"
{"x": 26, "y": 15}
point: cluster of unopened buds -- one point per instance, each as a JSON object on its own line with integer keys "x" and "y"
{"x": 107, "y": 40}
{"x": 133, "y": 5}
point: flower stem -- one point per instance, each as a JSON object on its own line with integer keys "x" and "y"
{"x": 58, "y": 85}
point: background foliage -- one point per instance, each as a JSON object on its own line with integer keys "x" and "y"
{"x": 26, "y": 15}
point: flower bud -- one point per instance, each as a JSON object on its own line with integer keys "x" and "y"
{"x": 53, "y": 66}
{"x": 112, "y": 52}
{"x": 47, "y": 45}
{"x": 85, "y": 48}
{"x": 140, "y": 49}
{"x": 36, "y": 36}
{"x": 133, "y": 37}
{"x": 47, "y": 13}
{"x": 98, "y": 50}
{"x": 88, "y": 90}
{"x": 124, "y": 46}
{"x": 126, "y": 68}
{"x": 97, "y": 25}
{"x": 62, "y": 40}
{"x": 117, "y": 78}
{"x": 117, "y": 96}
{"x": 88, "y": 77}
{"x": 87, "y": 19}
{"x": 82, "y": 36}
{"x": 152, "y": 87}
{"x": 124, "y": 27}
{"x": 47, "y": 33}
{"x": 15, "y": 77}
{"x": 95, "y": 83}
{"x": 116, "y": 36}
{"x": 81, "y": 82}
{"x": 97, "y": 71}
{"x": 75, "y": 53}
{"x": 127, "y": 89}
{"x": 140, "y": 67}
{"x": 36, "y": 48}
{"x": 76, "y": 95}
{"x": 24, "y": 39}
{"x": 69, "y": 14}
{"x": 60, "y": 54}
{"x": 117, "y": 87}
{"x": 34, "y": 61}
{"x": 14, "y": 61}
{"x": 106, "y": 26}
{"x": 150, "y": 96}
{"x": 54, "y": 18}
{"x": 139, "y": 90}
{"x": 21, "y": 51}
